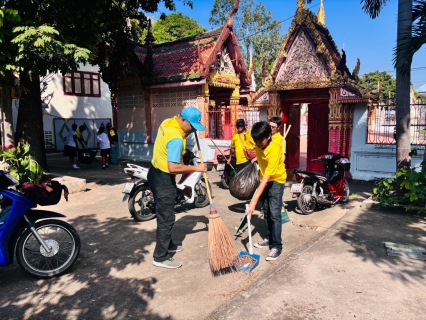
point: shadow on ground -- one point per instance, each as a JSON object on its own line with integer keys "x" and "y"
{"x": 102, "y": 283}
{"x": 368, "y": 232}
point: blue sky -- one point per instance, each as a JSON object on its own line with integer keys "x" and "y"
{"x": 372, "y": 41}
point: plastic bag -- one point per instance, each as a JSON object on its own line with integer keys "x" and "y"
{"x": 245, "y": 182}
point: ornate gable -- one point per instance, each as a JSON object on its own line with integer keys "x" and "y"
{"x": 224, "y": 63}
{"x": 303, "y": 64}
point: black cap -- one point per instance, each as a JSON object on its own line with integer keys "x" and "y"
{"x": 241, "y": 123}
{"x": 108, "y": 125}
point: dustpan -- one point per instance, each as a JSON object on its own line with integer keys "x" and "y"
{"x": 248, "y": 261}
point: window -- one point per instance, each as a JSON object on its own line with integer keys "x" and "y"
{"x": 86, "y": 84}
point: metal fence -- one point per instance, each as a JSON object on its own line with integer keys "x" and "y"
{"x": 220, "y": 120}
{"x": 382, "y": 124}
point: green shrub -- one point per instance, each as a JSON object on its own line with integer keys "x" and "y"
{"x": 22, "y": 165}
{"x": 407, "y": 188}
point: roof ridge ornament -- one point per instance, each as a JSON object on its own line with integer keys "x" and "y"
{"x": 321, "y": 13}
{"x": 149, "y": 39}
{"x": 301, "y": 4}
{"x": 230, "y": 23}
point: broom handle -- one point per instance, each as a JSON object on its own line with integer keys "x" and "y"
{"x": 205, "y": 174}
{"x": 249, "y": 232}
{"x": 222, "y": 154}
{"x": 286, "y": 133}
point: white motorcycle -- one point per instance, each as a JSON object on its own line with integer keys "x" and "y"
{"x": 191, "y": 188}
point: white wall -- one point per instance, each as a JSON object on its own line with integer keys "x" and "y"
{"x": 369, "y": 161}
{"x": 64, "y": 106}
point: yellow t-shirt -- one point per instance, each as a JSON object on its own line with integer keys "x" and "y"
{"x": 239, "y": 149}
{"x": 169, "y": 129}
{"x": 280, "y": 140}
{"x": 78, "y": 133}
{"x": 271, "y": 163}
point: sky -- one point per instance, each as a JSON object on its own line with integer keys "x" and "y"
{"x": 372, "y": 41}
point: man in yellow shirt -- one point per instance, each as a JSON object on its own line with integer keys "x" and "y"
{"x": 166, "y": 164}
{"x": 240, "y": 140}
{"x": 275, "y": 123}
{"x": 271, "y": 188}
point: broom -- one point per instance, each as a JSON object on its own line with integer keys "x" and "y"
{"x": 222, "y": 250}
{"x": 235, "y": 171}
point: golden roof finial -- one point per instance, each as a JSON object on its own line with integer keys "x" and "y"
{"x": 301, "y": 4}
{"x": 321, "y": 13}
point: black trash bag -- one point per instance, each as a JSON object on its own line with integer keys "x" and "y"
{"x": 245, "y": 183}
{"x": 45, "y": 194}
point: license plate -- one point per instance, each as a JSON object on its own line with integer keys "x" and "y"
{"x": 220, "y": 167}
{"x": 128, "y": 187}
{"x": 297, "y": 187}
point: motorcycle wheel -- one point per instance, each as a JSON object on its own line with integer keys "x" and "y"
{"x": 202, "y": 198}
{"x": 137, "y": 206}
{"x": 345, "y": 192}
{"x": 61, "y": 237}
{"x": 305, "y": 201}
{"x": 225, "y": 180}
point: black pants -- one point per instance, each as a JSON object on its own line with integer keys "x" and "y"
{"x": 163, "y": 186}
{"x": 272, "y": 201}
{"x": 241, "y": 166}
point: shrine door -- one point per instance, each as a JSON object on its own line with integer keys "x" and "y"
{"x": 292, "y": 117}
{"x": 317, "y": 135}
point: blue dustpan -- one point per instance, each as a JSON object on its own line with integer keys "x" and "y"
{"x": 249, "y": 266}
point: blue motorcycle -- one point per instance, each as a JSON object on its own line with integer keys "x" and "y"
{"x": 44, "y": 249}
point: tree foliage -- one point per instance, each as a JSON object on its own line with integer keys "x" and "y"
{"x": 382, "y": 80}
{"x": 175, "y": 26}
{"x": 255, "y": 30}
{"x": 44, "y": 33}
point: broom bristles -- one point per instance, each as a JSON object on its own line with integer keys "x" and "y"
{"x": 222, "y": 250}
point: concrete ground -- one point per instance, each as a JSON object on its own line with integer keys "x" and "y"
{"x": 333, "y": 266}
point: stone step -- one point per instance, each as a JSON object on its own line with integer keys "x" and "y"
{"x": 73, "y": 184}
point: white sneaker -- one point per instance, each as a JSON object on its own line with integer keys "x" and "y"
{"x": 74, "y": 166}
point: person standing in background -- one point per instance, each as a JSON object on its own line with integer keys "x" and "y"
{"x": 113, "y": 141}
{"x": 240, "y": 140}
{"x": 80, "y": 139}
{"x": 71, "y": 146}
{"x": 103, "y": 144}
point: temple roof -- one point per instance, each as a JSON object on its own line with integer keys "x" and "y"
{"x": 189, "y": 58}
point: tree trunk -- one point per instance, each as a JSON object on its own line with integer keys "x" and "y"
{"x": 6, "y": 117}
{"x": 403, "y": 137}
{"x": 30, "y": 118}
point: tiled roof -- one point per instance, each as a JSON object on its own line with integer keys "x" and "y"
{"x": 177, "y": 60}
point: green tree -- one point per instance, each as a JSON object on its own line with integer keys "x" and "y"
{"x": 384, "y": 80}
{"x": 255, "y": 30}
{"x": 175, "y": 26}
{"x": 99, "y": 25}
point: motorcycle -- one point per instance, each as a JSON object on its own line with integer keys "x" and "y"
{"x": 191, "y": 188}
{"x": 43, "y": 248}
{"x": 225, "y": 170}
{"x": 315, "y": 189}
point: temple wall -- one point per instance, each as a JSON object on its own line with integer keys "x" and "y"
{"x": 369, "y": 161}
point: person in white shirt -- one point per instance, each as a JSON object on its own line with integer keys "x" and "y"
{"x": 71, "y": 146}
{"x": 103, "y": 144}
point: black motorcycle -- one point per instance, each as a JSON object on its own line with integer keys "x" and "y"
{"x": 226, "y": 171}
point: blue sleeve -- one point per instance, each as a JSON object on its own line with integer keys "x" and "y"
{"x": 174, "y": 150}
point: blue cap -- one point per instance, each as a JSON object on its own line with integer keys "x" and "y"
{"x": 193, "y": 116}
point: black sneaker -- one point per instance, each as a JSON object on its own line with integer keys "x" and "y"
{"x": 263, "y": 244}
{"x": 274, "y": 254}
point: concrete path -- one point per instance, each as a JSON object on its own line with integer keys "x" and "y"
{"x": 114, "y": 277}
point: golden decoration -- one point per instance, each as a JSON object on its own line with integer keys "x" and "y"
{"x": 224, "y": 80}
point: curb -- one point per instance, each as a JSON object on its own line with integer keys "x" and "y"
{"x": 73, "y": 184}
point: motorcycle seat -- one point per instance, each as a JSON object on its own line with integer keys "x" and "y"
{"x": 321, "y": 176}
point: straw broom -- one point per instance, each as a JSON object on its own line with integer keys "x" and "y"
{"x": 222, "y": 250}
